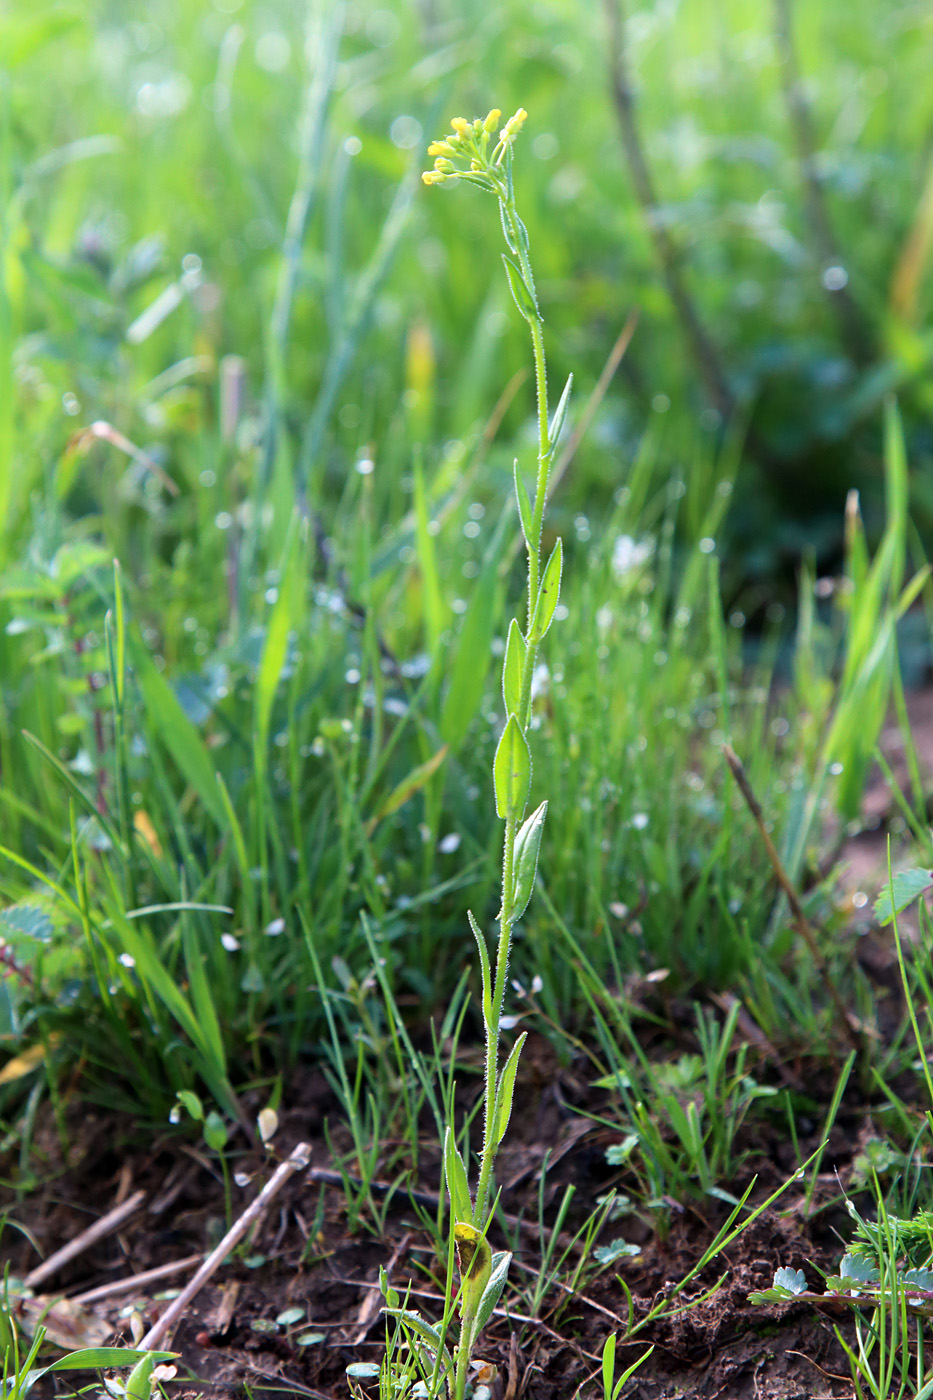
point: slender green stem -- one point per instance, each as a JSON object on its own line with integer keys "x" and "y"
{"x": 492, "y": 1030}
{"x": 469, "y": 145}
{"x": 518, "y": 242}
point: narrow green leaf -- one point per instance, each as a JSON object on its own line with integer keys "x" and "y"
{"x": 609, "y": 1365}
{"x": 512, "y": 667}
{"x": 407, "y": 788}
{"x": 458, "y": 1187}
{"x": 284, "y": 619}
{"x": 520, "y": 290}
{"x": 236, "y": 830}
{"x": 176, "y": 732}
{"x": 484, "y": 969}
{"x": 506, "y": 230}
{"x": 139, "y": 1381}
{"x": 525, "y": 513}
{"x": 417, "y": 1324}
{"x": 629, "y": 1372}
{"x": 119, "y": 630}
{"x": 202, "y": 998}
{"x": 493, "y": 1290}
{"x": 548, "y": 594}
{"x": 74, "y": 786}
{"x": 391, "y": 1295}
{"x": 560, "y": 413}
{"x": 505, "y": 1090}
{"x": 525, "y": 861}
{"x": 96, "y": 1358}
{"x": 511, "y": 771}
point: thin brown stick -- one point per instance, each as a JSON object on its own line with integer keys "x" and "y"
{"x": 98, "y": 1231}
{"x": 855, "y": 332}
{"x": 623, "y": 341}
{"x": 296, "y": 1161}
{"x": 134, "y": 1281}
{"x": 801, "y": 923}
{"x": 702, "y": 349}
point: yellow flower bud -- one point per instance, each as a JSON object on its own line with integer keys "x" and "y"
{"x": 433, "y": 177}
{"x": 514, "y": 125}
{"x": 460, "y": 125}
{"x": 441, "y": 148}
{"x": 443, "y": 166}
{"x": 491, "y": 122}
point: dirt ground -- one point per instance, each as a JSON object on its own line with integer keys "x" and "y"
{"x": 312, "y": 1267}
{"x": 304, "y": 1260}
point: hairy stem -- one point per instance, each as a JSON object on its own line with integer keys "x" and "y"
{"x": 518, "y": 240}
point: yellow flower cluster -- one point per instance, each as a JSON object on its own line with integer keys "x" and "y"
{"x": 469, "y": 145}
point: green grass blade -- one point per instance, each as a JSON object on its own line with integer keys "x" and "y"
{"x": 176, "y": 732}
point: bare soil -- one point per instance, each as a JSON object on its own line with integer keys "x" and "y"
{"x": 305, "y": 1255}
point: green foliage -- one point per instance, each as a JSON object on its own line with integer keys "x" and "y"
{"x": 285, "y": 657}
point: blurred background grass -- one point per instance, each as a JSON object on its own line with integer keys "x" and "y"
{"x": 788, "y": 150}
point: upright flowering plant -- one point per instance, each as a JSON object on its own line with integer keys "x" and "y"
{"x": 474, "y": 152}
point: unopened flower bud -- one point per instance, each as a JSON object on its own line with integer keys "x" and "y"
{"x": 441, "y": 148}
{"x": 514, "y": 125}
{"x": 492, "y": 121}
{"x": 460, "y": 125}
